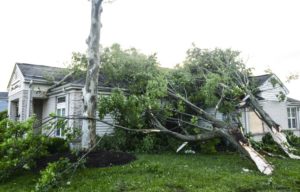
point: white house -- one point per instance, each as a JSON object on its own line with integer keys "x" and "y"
{"x": 28, "y": 94}
{"x": 283, "y": 110}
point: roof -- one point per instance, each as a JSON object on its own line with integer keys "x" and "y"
{"x": 291, "y": 100}
{"x": 41, "y": 72}
{"x": 260, "y": 79}
{"x": 79, "y": 79}
{"x": 48, "y": 73}
{"x": 3, "y": 94}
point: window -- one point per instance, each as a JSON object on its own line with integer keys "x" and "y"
{"x": 292, "y": 117}
{"x": 60, "y": 111}
{"x": 61, "y": 99}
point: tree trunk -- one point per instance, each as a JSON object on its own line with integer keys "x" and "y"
{"x": 233, "y": 135}
{"x": 278, "y": 137}
{"x": 90, "y": 90}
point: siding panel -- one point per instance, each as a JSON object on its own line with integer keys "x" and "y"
{"x": 102, "y": 128}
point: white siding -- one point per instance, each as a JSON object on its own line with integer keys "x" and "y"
{"x": 278, "y": 111}
{"x": 268, "y": 92}
{"x": 102, "y": 128}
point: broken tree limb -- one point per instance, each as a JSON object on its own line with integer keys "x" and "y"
{"x": 234, "y": 136}
{"x": 244, "y": 147}
{"x": 61, "y": 81}
{"x": 274, "y": 128}
{"x": 201, "y": 112}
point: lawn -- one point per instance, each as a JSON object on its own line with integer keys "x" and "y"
{"x": 178, "y": 173}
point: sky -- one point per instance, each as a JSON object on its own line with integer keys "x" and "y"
{"x": 46, "y": 32}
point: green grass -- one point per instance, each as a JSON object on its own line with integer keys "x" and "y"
{"x": 178, "y": 173}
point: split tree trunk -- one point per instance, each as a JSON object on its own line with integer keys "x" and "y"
{"x": 90, "y": 90}
{"x": 277, "y": 135}
{"x": 233, "y": 135}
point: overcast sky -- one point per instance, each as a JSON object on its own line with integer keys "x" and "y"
{"x": 267, "y": 32}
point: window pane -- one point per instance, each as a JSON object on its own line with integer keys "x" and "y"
{"x": 289, "y": 112}
{"x": 290, "y": 123}
{"x": 294, "y": 123}
{"x": 58, "y": 132}
{"x": 294, "y": 112}
{"x": 63, "y": 112}
{"x": 61, "y": 99}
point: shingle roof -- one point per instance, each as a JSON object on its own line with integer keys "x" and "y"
{"x": 3, "y": 94}
{"x": 41, "y": 72}
{"x": 80, "y": 80}
{"x": 260, "y": 79}
{"x": 292, "y": 100}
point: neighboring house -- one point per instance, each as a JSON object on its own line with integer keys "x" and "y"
{"x": 28, "y": 95}
{"x": 283, "y": 110}
{"x": 3, "y": 101}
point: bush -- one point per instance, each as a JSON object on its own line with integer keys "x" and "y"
{"x": 138, "y": 142}
{"x": 57, "y": 145}
{"x": 155, "y": 143}
{"x": 267, "y": 144}
{"x": 292, "y": 139}
{"x": 18, "y": 147}
{"x": 210, "y": 145}
{"x": 3, "y": 115}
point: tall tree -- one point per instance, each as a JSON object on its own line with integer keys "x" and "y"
{"x": 90, "y": 90}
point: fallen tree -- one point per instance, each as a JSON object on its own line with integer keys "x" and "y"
{"x": 175, "y": 101}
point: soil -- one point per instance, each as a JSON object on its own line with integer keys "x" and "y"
{"x": 94, "y": 159}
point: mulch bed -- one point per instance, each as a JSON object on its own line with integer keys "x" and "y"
{"x": 99, "y": 158}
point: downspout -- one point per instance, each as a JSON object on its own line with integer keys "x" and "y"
{"x": 29, "y": 99}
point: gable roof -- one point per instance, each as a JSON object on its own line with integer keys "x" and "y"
{"x": 41, "y": 72}
{"x": 293, "y": 101}
{"x": 260, "y": 79}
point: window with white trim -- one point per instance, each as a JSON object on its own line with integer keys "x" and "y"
{"x": 292, "y": 117}
{"x": 60, "y": 111}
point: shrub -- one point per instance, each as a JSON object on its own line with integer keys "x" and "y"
{"x": 3, "y": 115}
{"x": 18, "y": 147}
{"x": 138, "y": 142}
{"x": 210, "y": 145}
{"x": 57, "y": 145}
{"x": 267, "y": 144}
{"x": 292, "y": 139}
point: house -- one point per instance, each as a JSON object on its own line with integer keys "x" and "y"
{"x": 3, "y": 101}
{"x": 271, "y": 95}
{"x": 28, "y": 94}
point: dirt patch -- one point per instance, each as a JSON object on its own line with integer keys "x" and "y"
{"x": 94, "y": 159}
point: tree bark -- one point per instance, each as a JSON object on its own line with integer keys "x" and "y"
{"x": 233, "y": 135}
{"x": 90, "y": 90}
{"x": 274, "y": 128}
